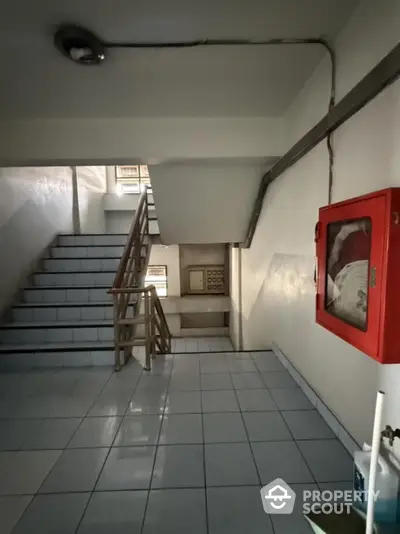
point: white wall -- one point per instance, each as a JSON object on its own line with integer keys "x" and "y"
{"x": 234, "y": 296}
{"x": 278, "y": 289}
{"x": 35, "y": 205}
{"x": 92, "y": 186}
{"x": 124, "y": 141}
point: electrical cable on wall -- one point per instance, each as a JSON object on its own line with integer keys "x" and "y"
{"x": 85, "y": 48}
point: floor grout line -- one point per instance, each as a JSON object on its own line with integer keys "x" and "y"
{"x": 204, "y": 455}
{"x": 156, "y": 451}
{"x": 107, "y": 455}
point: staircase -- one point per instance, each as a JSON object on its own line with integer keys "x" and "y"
{"x": 71, "y": 317}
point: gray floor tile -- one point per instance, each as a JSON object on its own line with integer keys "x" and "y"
{"x": 71, "y": 406}
{"x": 266, "y": 426}
{"x": 247, "y": 381}
{"x": 255, "y": 400}
{"x": 127, "y": 468}
{"x": 188, "y": 365}
{"x": 237, "y": 510}
{"x": 239, "y": 355}
{"x": 230, "y": 464}
{"x": 176, "y": 511}
{"x": 52, "y": 434}
{"x": 26, "y": 471}
{"x": 184, "y": 382}
{"x": 117, "y": 387}
{"x": 138, "y": 430}
{"x": 307, "y": 424}
{"x": 14, "y": 432}
{"x": 280, "y": 459}
{"x": 96, "y": 432}
{"x": 11, "y": 510}
{"x": 223, "y": 427}
{"x": 183, "y": 402}
{"x": 34, "y": 407}
{"x": 295, "y": 523}
{"x": 278, "y": 380}
{"x": 291, "y": 399}
{"x": 328, "y": 460}
{"x": 116, "y": 512}
{"x": 267, "y": 361}
{"x": 241, "y": 366}
{"x": 153, "y": 383}
{"x": 5, "y": 457}
{"x": 219, "y": 401}
{"x": 179, "y": 466}
{"x": 146, "y": 403}
{"x": 182, "y": 428}
{"x": 76, "y": 470}
{"x": 161, "y": 366}
{"x": 216, "y": 382}
{"x": 214, "y": 365}
{"x": 110, "y": 405}
{"x": 50, "y": 514}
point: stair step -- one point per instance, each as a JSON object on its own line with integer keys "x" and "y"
{"x": 52, "y": 324}
{"x": 57, "y": 265}
{"x": 66, "y": 317}
{"x": 71, "y": 279}
{"x": 85, "y": 251}
{"x": 60, "y": 346}
{"x": 81, "y": 264}
{"x": 63, "y": 311}
{"x": 61, "y": 304}
{"x": 21, "y": 357}
{"x": 57, "y": 332}
{"x": 92, "y": 239}
{"x": 77, "y": 293}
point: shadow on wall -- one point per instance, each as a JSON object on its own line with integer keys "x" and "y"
{"x": 284, "y": 312}
{"x": 281, "y": 287}
{"x": 91, "y": 212}
{"x": 36, "y": 204}
{"x": 92, "y": 185}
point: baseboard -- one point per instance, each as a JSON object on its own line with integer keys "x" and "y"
{"x": 332, "y": 421}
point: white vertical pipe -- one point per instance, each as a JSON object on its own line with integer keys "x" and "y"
{"x": 376, "y": 441}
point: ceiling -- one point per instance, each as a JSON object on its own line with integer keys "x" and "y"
{"x": 37, "y": 82}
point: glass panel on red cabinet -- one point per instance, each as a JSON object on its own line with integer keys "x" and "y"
{"x": 347, "y": 262}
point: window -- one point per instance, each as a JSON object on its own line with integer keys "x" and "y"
{"x": 132, "y": 178}
{"x": 348, "y": 257}
{"x": 157, "y": 276}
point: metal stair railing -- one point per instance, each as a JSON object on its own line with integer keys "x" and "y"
{"x": 128, "y": 293}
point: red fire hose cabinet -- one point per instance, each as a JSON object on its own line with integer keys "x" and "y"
{"x": 358, "y": 272}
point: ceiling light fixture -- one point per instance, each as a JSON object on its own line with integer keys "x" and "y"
{"x": 79, "y": 45}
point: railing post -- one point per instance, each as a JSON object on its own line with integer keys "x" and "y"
{"x": 147, "y": 331}
{"x": 117, "y": 333}
{"x": 152, "y": 326}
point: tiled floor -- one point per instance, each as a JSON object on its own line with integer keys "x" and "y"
{"x": 182, "y": 449}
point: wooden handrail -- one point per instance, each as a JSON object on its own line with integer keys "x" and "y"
{"x": 129, "y": 281}
{"x": 119, "y": 277}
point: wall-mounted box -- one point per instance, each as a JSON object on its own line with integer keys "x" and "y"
{"x": 205, "y": 279}
{"x": 358, "y": 272}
